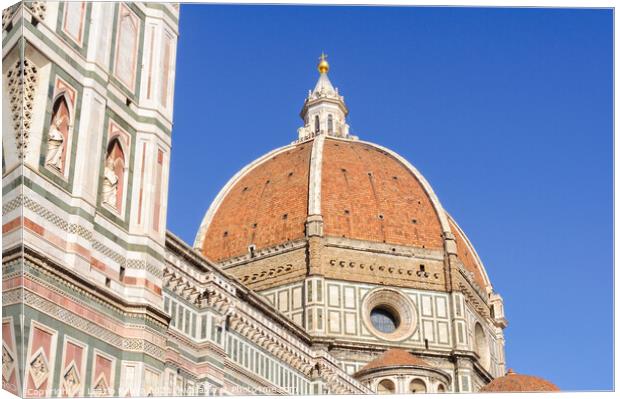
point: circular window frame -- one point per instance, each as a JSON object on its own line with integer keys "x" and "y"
{"x": 402, "y": 306}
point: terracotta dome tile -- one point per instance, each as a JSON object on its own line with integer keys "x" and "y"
{"x": 394, "y": 358}
{"x": 513, "y": 382}
{"x": 367, "y": 194}
{"x": 266, "y": 207}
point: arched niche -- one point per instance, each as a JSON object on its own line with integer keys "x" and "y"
{"x": 482, "y": 346}
{"x": 386, "y": 387}
{"x": 58, "y": 134}
{"x": 114, "y": 174}
{"x": 417, "y": 386}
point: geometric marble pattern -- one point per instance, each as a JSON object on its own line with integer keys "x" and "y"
{"x": 101, "y": 387}
{"x": 71, "y": 380}
{"x": 8, "y": 364}
{"x": 39, "y": 368}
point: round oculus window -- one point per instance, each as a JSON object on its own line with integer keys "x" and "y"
{"x": 384, "y": 319}
{"x": 389, "y": 314}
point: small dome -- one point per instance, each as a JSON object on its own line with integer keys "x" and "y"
{"x": 393, "y": 358}
{"x": 513, "y": 382}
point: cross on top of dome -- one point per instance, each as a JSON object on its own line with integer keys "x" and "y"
{"x": 323, "y": 66}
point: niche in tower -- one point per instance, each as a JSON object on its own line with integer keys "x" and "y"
{"x": 114, "y": 175}
{"x": 58, "y": 135}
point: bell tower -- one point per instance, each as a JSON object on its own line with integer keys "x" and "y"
{"x": 87, "y": 120}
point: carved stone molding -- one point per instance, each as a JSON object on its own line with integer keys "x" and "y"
{"x": 87, "y": 326}
{"x": 71, "y": 380}
{"x": 38, "y": 9}
{"x": 8, "y": 363}
{"x": 7, "y": 16}
{"x": 38, "y": 368}
{"x": 22, "y": 80}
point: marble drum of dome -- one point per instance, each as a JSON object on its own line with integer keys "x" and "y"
{"x": 389, "y": 314}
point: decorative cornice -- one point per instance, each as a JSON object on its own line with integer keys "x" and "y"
{"x": 263, "y": 253}
{"x": 403, "y": 369}
{"x": 53, "y": 310}
{"x": 383, "y": 248}
{"x": 471, "y": 248}
{"x": 85, "y": 288}
{"x": 81, "y": 231}
{"x": 472, "y": 291}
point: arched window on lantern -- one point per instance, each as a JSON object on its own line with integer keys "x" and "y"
{"x": 58, "y": 135}
{"x": 114, "y": 175}
{"x": 330, "y": 123}
{"x": 317, "y": 128}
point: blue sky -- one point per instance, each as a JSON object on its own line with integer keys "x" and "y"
{"x": 507, "y": 113}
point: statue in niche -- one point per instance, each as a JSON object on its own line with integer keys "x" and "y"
{"x": 110, "y": 182}
{"x": 55, "y": 144}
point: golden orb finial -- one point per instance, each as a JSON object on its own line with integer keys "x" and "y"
{"x": 323, "y": 66}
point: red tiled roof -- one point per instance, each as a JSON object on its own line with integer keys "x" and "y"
{"x": 266, "y": 207}
{"x": 366, "y": 194}
{"x": 394, "y": 358}
{"x": 513, "y": 382}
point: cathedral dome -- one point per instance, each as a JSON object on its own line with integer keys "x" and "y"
{"x": 329, "y": 183}
{"x": 361, "y": 191}
{"x": 513, "y": 382}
